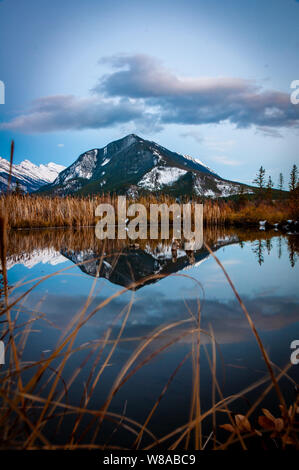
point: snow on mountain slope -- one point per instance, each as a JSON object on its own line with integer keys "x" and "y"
{"x": 135, "y": 165}
{"x": 82, "y": 168}
{"x": 28, "y": 175}
{"x": 196, "y": 160}
{"x": 160, "y": 176}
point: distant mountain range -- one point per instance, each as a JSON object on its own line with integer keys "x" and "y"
{"x": 135, "y": 166}
{"x": 27, "y": 176}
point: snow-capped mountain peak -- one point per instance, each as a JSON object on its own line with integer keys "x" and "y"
{"x": 29, "y": 176}
{"x": 197, "y": 160}
{"x": 133, "y": 165}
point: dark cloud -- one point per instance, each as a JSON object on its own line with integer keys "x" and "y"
{"x": 197, "y": 100}
{"x": 141, "y": 91}
{"x": 142, "y": 76}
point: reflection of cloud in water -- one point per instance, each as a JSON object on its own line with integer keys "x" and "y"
{"x": 150, "y": 312}
{"x": 231, "y": 262}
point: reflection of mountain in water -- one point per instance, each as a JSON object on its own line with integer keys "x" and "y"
{"x": 122, "y": 264}
{"x": 134, "y": 265}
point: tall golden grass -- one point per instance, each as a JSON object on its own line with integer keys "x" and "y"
{"x": 28, "y": 211}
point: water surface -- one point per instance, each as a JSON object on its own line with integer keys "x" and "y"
{"x": 169, "y": 287}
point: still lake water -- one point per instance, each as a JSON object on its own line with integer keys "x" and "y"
{"x": 262, "y": 265}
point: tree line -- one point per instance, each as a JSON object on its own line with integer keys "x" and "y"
{"x": 267, "y": 184}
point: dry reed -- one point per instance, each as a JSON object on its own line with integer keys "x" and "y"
{"x": 31, "y": 211}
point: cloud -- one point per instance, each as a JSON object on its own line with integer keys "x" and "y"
{"x": 63, "y": 112}
{"x": 210, "y": 143}
{"x": 268, "y": 132}
{"x": 60, "y": 145}
{"x": 225, "y": 160}
{"x": 142, "y": 76}
{"x": 199, "y": 100}
{"x": 219, "y": 145}
{"x": 140, "y": 90}
{"x": 195, "y": 135}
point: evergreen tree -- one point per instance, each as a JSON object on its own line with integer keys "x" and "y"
{"x": 280, "y": 182}
{"x": 270, "y": 183}
{"x": 269, "y": 187}
{"x": 293, "y": 178}
{"x": 259, "y": 181}
{"x": 260, "y": 178}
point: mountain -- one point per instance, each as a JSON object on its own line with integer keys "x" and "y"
{"x": 28, "y": 176}
{"x": 133, "y": 165}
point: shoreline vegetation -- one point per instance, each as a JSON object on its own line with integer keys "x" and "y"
{"x": 35, "y": 211}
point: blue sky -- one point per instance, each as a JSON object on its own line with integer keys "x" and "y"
{"x": 207, "y": 78}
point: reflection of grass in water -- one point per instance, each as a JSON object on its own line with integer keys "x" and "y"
{"x": 80, "y": 239}
{"x": 26, "y": 412}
